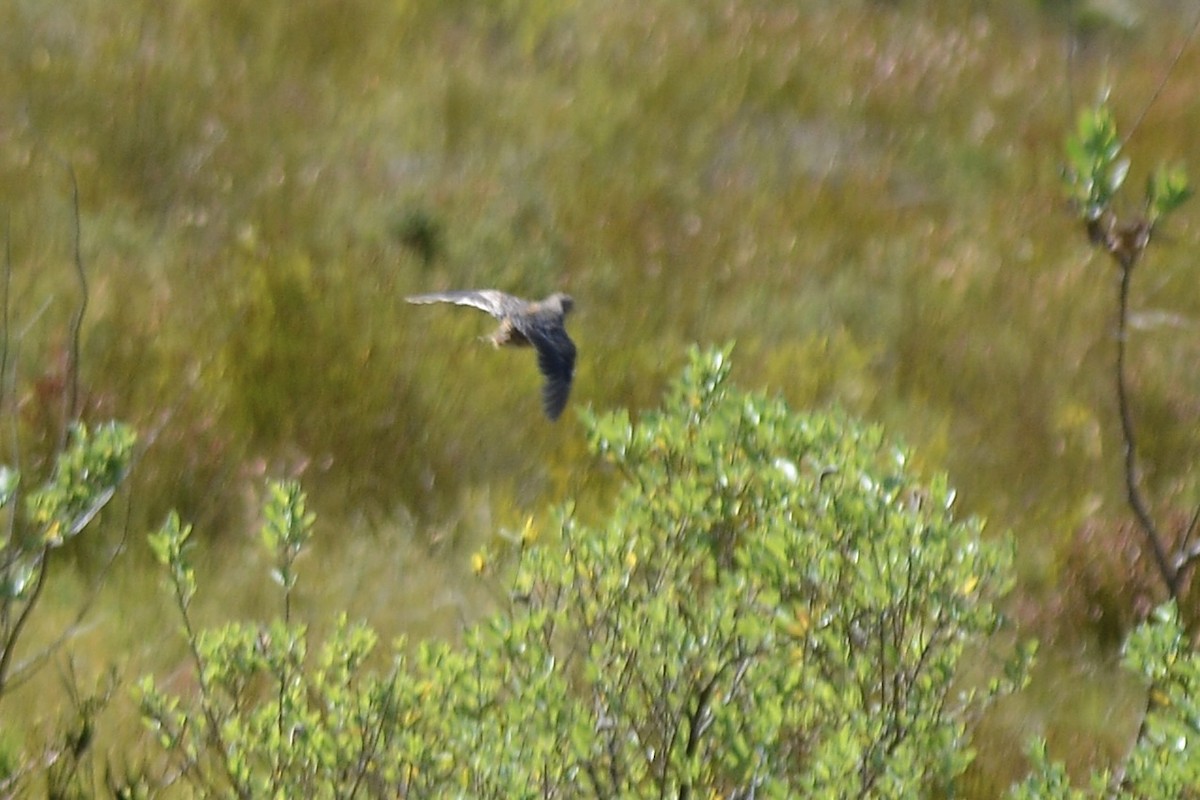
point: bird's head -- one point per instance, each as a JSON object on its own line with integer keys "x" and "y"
{"x": 563, "y": 301}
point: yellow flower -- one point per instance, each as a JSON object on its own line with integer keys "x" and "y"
{"x": 529, "y": 533}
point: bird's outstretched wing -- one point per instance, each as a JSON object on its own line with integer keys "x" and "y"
{"x": 538, "y": 324}
{"x": 494, "y": 302}
{"x": 556, "y": 360}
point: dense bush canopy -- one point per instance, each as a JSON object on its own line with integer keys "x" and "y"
{"x": 776, "y": 607}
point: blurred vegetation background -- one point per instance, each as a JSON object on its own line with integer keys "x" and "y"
{"x": 863, "y": 194}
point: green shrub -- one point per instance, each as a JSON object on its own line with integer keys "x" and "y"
{"x": 86, "y": 474}
{"x": 1163, "y": 761}
{"x": 774, "y": 608}
{"x": 37, "y": 524}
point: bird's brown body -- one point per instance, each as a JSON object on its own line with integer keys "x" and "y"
{"x": 524, "y": 323}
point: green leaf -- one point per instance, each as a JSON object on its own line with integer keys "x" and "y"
{"x": 85, "y": 477}
{"x": 1095, "y": 170}
{"x": 1167, "y": 189}
{"x": 10, "y": 479}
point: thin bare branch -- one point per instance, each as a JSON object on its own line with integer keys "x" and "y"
{"x": 4, "y": 308}
{"x": 1188, "y": 552}
{"x": 71, "y": 400}
{"x": 1132, "y": 484}
{"x": 1166, "y": 76}
{"x": 14, "y": 501}
{"x": 1070, "y": 63}
{"x": 14, "y": 634}
{"x": 27, "y": 668}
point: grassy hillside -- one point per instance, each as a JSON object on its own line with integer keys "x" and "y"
{"x": 864, "y": 195}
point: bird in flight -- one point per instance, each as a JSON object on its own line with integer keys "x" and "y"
{"x": 526, "y": 323}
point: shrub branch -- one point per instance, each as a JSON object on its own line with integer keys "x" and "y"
{"x": 1127, "y": 257}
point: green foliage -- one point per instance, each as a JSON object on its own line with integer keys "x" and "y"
{"x": 1047, "y": 779}
{"x": 170, "y": 545}
{"x": 286, "y": 530}
{"x": 1095, "y": 167}
{"x": 268, "y": 721}
{"x": 87, "y": 472}
{"x": 85, "y": 476}
{"x": 774, "y": 607}
{"x": 771, "y": 171}
{"x": 1164, "y": 762}
{"x": 1096, "y": 170}
{"x": 1159, "y": 764}
{"x": 1167, "y": 189}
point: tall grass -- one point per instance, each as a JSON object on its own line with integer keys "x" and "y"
{"x": 864, "y": 195}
